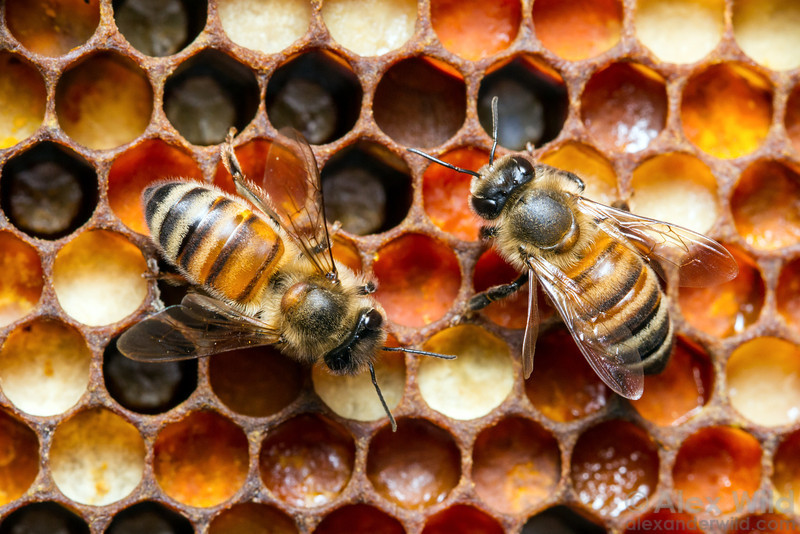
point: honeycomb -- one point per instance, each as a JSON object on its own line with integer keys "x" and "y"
{"x": 688, "y": 109}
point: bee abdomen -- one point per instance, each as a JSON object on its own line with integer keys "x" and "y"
{"x": 215, "y": 241}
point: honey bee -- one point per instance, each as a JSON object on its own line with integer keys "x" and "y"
{"x": 597, "y": 264}
{"x": 263, "y": 270}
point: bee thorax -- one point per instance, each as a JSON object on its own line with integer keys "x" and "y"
{"x": 312, "y": 308}
{"x": 544, "y": 221}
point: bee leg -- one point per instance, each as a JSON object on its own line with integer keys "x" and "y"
{"x": 484, "y": 298}
{"x": 368, "y": 288}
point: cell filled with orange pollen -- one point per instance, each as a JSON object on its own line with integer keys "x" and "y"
{"x": 590, "y": 165}
{"x": 52, "y": 28}
{"x": 579, "y": 29}
{"x": 19, "y": 458}
{"x": 788, "y": 293}
{"x": 793, "y": 117}
{"x": 21, "y": 282}
{"x": 475, "y": 29}
{"x": 786, "y": 469}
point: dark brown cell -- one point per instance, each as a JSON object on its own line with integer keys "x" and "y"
{"x": 52, "y": 28}
{"x": 359, "y": 518}
{"x": 562, "y": 520}
{"x": 160, "y": 27}
{"x": 43, "y": 518}
{"x": 151, "y": 517}
{"x": 474, "y": 29}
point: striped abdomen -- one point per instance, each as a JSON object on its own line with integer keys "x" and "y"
{"x": 628, "y": 301}
{"x": 215, "y": 241}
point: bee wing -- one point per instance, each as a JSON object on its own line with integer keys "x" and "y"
{"x": 531, "y": 327}
{"x": 612, "y": 356}
{"x": 198, "y": 326}
{"x": 700, "y": 260}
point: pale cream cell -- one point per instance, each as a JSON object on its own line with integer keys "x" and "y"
{"x": 370, "y": 27}
{"x": 680, "y": 31}
{"x": 767, "y": 31}
{"x": 265, "y": 25}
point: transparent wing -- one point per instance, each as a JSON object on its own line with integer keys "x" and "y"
{"x": 700, "y": 260}
{"x": 198, "y": 326}
{"x": 531, "y": 327}
{"x": 611, "y": 354}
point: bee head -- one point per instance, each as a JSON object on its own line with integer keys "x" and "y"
{"x": 360, "y": 345}
{"x": 491, "y": 190}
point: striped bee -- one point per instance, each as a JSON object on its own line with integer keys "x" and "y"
{"x": 596, "y": 263}
{"x": 263, "y": 270}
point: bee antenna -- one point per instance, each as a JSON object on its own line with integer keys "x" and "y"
{"x": 443, "y": 163}
{"x": 380, "y": 396}
{"x": 422, "y": 352}
{"x": 494, "y": 130}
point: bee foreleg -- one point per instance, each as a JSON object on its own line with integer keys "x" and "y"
{"x": 484, "y": 298}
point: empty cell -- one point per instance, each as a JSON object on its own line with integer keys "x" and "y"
{"x": 420, "y": 102}
{"x": 729, "y": 308}
{"x": 317, "y": 93}
{"x": 137, "y": 168}
{"x": 19, "y": 458}
{"x": 359, "y": 518}
{"x": 21, "y": 278}
{"x": 624, "y": 106}
{"x": 52, "y": 28}
{"x": 416, "y": 466}
{"x": 366, "y": 188}
{"x": 764, "y": 204}
{"x": 252, "y": 518}
{"x": 532, "y": 102}
{"x": 48, "y": 191}
{"x": 715, "y": 466}
{"x": 516, "y": 464}
{"x": 666, "y": 521}
{"x": 611, "y": 463}
{"x": 591, "y": 166}
{"x": 767, "y": 31}
{"x": 268, "y": 26}
{"x": 104, "y": 101}
{"x": 44, "y": 367}
{"x": 371, "y": 27}
{"x": 201, "y": 460}
{"x": 788, "y": 293}
{"x": 22, "y": 99}
{"x": 680, "y": 31}
{"x": 580, "y": 29}
{"x": 463, "y": 519}
{"x": 418, "y": 279}
{"x": 473, "y": 384}
{"x": 560, "y": 520}
{"x": 208, "y": 94}
{"x": 763, "y": 381}
{"x": 307, "y": 461}
{"x": 97, "y": 457}
{"x": 257, "y": 382}
{"x": 792, "y": 121}
{"x": 680, "y": 391}
{"x": 43, "y": 518}
{"x": 563, "y": 386}
{"x": 726, "y": 109}
{"x": 98, "y": 278}
{"x": 677, "y": 188}
{"x": 474, "y": 29}
{"x": 786, "y": 469}
{"x": 149, "y": 517}
{"x": 160, "y": 27}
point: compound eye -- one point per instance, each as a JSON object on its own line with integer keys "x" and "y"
{"x": 524, "y": 168}
{"x": 485, "y": 207}
{"x": 373, "y": 320}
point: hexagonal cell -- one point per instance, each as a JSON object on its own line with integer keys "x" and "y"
{"x": 593, "y": 168}
{"x": 561, "y": 520}
{"x": 22, "y": 99}
{"x": 104, "y": 101}
{"x": 160, "y": 27}
{"x": 786, "y": 469}
{"x": 624, "y": 106}
{"x": 578, "y": 30}
{"x": 765, "y": 524}
{"x": 726, "y": 309}
{"x": 715, "y": 466}
{"x": 307, "y": 461}
{"x": 515, "y": 465}
{"x": 764, "y": 204}
{"x": 371, "y": 28}
{"x": 97, "y": 457}
{"x": 793, "y": 117}
{"x": 474, "y": 29}
{"x": 766, "y": 31}
{"x": 611, "y": 462}
{"x": 346, "y": 252}
{"x": 416, "y": 466}
{"x": 678, "y": 188}
{"x": 366, "y": 188}
{"x": 44, "y": 367}
{"x": 149, "y": 517}
{"x": 665, "y": 521}
{"x": 563, "y": 386}
{"x": 21, "y": 281}
{"x": 52, "y": 28}
{"x": 138, "y": 167}
{"x": 532, "y": 105}
{"x": 317, "y": 93}
{"x": 680, "y": 391}
{"x": 252, "y": 518}
{"x": 257, "y": 382}
{"x": 43, "y": 518}
{"x": 201, "y": 460}
{"x": 462, "y": 518}
{"x": 48, "y": 191}
{"x": 473, "y": 384}
{"x": 359, "y": 518}
{"x": 98, "y": 278}
{"x": 19, "y": 462}
{"x": 787, "y": 293}
{"x": 726, "y": 109}
{"x": 420, "y": 101}
{"x": 245, "y": 22}
{"x": 680, "y": 31}
{"x": 147, "y": 387}
{"x": 418, "y": 279}
{"x": 763, "y": 381}
{"x": 209, "y": 93}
